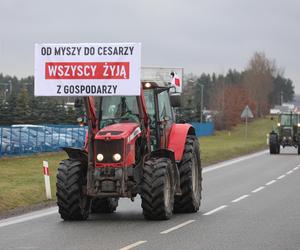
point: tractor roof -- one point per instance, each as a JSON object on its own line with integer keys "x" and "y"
{"x": 160, "y": 76}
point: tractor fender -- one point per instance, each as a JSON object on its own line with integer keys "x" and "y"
{"x": 273, "y": 134}
{"x": 77, "y": 154}
{"x": 177, "y": 138}
{"x": 168, "y": 154}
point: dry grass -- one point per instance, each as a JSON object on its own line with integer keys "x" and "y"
{"x": 22, "y": 180}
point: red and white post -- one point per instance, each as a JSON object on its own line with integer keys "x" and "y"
{"x": 47, "y": 180}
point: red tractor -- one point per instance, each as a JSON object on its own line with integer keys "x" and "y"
{"x": 133, "y": 147}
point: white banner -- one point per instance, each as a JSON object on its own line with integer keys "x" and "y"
{"x": 87, "y": 69}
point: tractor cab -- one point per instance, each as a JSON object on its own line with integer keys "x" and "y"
{"x": 288, "y": 125}
{"x": 152, "y": 110}
{"x": 287, "y": 120}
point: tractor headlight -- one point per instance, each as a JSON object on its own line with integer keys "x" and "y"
{"x": 278, "y": 124}
{"x": 100, "y": 157}
{"x": 116, "y": 157}
{"x": 298, "y": 125}
{"x": 147, "y": 85}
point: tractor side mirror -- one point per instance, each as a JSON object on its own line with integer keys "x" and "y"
{"x": 175, "y": 100}
{"x": 78, "y": 103}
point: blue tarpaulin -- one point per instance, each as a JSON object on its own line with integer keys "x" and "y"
{"x": 203, "y": 129}
{"x": 26, "y": 139}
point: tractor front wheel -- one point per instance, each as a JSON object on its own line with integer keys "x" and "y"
{"x": 158, "y": 189}
{"x": 72, "y": 199}
{"x": 190, "y": 178}
{"x": 273, "y": 144}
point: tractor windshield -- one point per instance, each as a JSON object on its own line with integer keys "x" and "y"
{"x": 288, "y": 120}
{"x": 149, "y": 99}
{"x": 117, "y": 108}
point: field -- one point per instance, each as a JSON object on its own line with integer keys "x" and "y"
{"x": 22, "y": 181}
{"x": 225, "y": 145}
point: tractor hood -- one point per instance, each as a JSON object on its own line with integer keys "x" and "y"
{"x": 119, "y": 131}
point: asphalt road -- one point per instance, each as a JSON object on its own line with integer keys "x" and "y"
{"x": 248, "y": 203}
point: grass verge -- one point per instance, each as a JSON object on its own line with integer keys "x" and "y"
{"x": 22, "y": 181}
{"x": 225, "y": 145}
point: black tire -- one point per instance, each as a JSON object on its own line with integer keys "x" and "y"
{"x": 190, "y": 178}
{"x": 104, "y": 205}
{"x": 158, "y": 189}
{"x": 72, "y": 201}
{"x": 273, "y": 144}
{"x": 298, "y": 149}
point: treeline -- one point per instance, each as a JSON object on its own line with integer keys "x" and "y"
{"x": 260, "y": 86}
{"x": 19, "y": 106}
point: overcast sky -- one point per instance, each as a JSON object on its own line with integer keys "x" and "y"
{"x": 199, "y": 35}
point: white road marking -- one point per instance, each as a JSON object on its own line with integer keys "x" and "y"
{"x": 176, "y": 227}
{"x": 27, "y": 217}
{"x": 215, "y": 210}
{"x": 296, "y": 168}
{"x": 230, "y": 162}
{"x": 27, "y": 247}
{"x": 281, "y": 177}
{"x": 240, "y": 198}
{"x": 133, "y": 245}
{"x": 289, "y": 172}
{"x": 258, "y": 189}
{"x": 270, "y": 182}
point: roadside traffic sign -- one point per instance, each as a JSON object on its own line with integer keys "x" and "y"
{"x": 247, "y": 113}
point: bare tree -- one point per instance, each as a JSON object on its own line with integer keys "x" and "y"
{"x": 258, "y": 81}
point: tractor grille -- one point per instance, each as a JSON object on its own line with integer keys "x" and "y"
{"x": 286, "y": 132}
{"x": 109, "y": 148}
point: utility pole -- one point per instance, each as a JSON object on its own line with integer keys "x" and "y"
{"x": 201, "y": 112}
{"x": 5, "y": 95}
{"x": 10, "y": 86}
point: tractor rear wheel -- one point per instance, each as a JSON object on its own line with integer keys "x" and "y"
{"x": 273, "y": 144}
{"x": 72, "y": 200}
{"x": 104, "y": 205}
{"x": 158, "y": 189}
{"x": 190, "y": 178}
